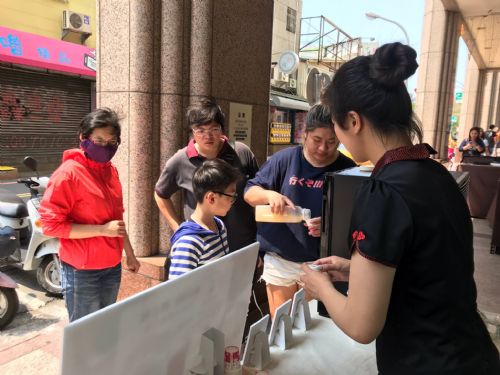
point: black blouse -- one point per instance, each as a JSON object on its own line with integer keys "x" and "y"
{"x": 410, "y": 215}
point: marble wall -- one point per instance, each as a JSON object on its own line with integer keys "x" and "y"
{"x": 154, "y": 57}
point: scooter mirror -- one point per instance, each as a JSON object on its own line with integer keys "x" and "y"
{"x": 30, "y": 162}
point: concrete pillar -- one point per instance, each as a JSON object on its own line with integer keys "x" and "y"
{"x": 495, "y": 118}
{"x": 495, "y": 101}
{"x": 201, "y": 63}
{"x": 175, "y": 24}
{"x": 481, "y": 106}
{"x": 126, "y": 54}
{"x": 438, "y": 57}
{"x": 241, "y": 61}
{"x": 153, "y": 58}
{"x": 470, "y": 100}
{"x": 491, "y": 99}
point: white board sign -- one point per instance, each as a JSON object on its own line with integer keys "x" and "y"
{"x": 158, "y": 331}
{"x": 240, "y": 123}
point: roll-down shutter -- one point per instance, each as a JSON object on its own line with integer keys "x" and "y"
{"x": 40, "y": 115}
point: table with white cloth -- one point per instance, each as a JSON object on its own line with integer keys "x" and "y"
{"x": 324, "y": 349}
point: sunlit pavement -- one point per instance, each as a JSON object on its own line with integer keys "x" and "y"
{"x": 31, "y": 343}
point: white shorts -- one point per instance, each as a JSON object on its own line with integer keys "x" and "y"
{"x": 279, "y": 271}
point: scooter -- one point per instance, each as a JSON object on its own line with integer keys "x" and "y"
{"x": 9, "y": 301}
{"x": 35, "y": 250}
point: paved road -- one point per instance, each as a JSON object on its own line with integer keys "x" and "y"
{"x": 32, "y": 298}
{"x": 31, "y": 343}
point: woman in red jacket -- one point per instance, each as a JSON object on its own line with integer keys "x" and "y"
{"x": 83, "y": 206}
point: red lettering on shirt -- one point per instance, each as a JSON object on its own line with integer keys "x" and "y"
{"x": 318, "y": 184}
{"x": 309, "y": 183}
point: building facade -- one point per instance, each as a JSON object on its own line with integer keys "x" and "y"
{"x": 445, "y": 21}
{"x": 320, "y": 47}
{"x": 47, "y": 78}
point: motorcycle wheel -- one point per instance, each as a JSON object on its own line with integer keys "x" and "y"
{"x": 9, "y": 304}
{"x": 48, "y": 275}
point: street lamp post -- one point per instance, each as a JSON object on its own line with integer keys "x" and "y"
{"x": 373, "y": 16}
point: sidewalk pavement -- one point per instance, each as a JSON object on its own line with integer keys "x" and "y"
{"x": 31, "y": 343}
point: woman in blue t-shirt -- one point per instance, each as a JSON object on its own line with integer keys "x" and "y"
{"x": 411, "y": 284}
{"x": 294, "y": 176}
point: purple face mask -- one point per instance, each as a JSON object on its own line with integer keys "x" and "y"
{"x": 100, "y": 154}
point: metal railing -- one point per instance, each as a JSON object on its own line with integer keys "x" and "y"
{"x": 326, "y": 43}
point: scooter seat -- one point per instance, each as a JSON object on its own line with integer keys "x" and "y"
{"x": 12, "y": 206}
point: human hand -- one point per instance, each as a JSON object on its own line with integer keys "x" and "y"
{"x": 337, "y": 267}
{"x": 314, "y": 226}
{"x": 133, "y": 264}
{"x": 114, "y": 228}
{"x": 278, "y": 202}
{"x": 314, "y": 282}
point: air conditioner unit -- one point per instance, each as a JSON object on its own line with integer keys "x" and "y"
{"x": 283, "y": 77}
{"x": 292, "y": 83}
{"x": 77, "y": 22}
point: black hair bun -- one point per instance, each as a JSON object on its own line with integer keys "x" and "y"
{"x": 392, "y": 63}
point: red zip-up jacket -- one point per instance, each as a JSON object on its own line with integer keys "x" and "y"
{"x": 82, "y": 191}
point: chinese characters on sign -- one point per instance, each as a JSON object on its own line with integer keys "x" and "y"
{"x": 300, "y": 127}
{"x": 13, "y": 43}
{"x": 240, "y": 123}
{"x": 280, "y": 133}
{"x": 18, "y": 47}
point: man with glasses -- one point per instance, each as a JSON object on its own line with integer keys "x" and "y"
{"x": 206, "y": 123}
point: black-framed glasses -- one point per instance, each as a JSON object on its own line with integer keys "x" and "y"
{"x": 212, "y": 131}
{"x": 101, "y": 142}
{"x": 232, "y": 196}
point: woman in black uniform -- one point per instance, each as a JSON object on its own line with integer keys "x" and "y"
{"x": 411, "y": 283}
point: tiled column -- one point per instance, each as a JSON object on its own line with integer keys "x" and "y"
{"x": 126, "y": 82}
{"x": 201, "y": 64}
{"x": 241, "y": 56}
{"x": 471, "y": 96}
{"x": 154, "y": 57}
{"x": 490, "y": 100}
{"x": 495, "y": 101}
{"x": 173, "y": 81}
{"x": 438, "y": 58}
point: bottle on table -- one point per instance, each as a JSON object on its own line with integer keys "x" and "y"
{"x": 298, "y": 214}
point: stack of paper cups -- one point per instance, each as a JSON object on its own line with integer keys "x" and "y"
{"x": 232, "y": 365}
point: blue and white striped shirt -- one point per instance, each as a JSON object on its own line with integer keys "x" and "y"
{"x": 194, "y": 246}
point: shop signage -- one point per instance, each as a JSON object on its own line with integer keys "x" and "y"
{"x": 18, "y": 47}
{"x": 459, "y": 96}
{"x": 280, "y": 133}
{"x": 240, "y": 123}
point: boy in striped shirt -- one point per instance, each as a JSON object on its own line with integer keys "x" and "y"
{"x": 203, "y": 238}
